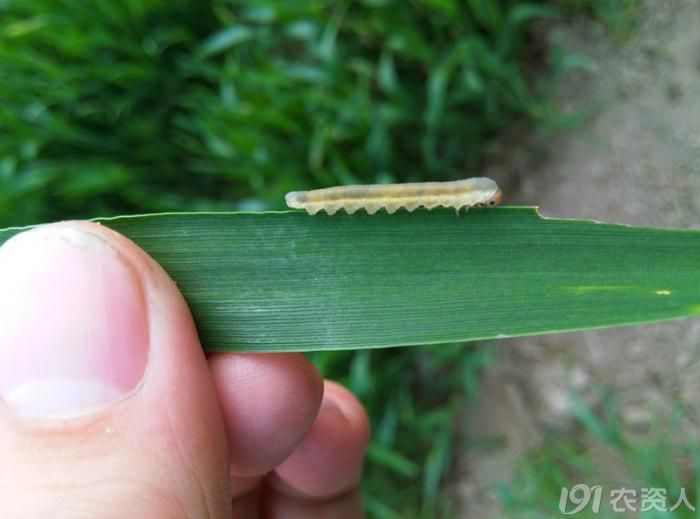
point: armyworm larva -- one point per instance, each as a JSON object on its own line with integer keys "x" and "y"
{"x": 477, "y": 191}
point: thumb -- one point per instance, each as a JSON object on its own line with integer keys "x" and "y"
{"x": 106, "y": 404}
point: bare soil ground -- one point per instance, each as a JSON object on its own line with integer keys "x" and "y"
{"x": 635, "y": 161}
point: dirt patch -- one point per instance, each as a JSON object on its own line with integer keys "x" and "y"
{"x": 635, "y": 161}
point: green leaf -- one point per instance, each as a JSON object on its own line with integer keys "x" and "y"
{"x": 392, "y": 459}
{"x": 224, "y": 40}
{"x": 286, "y": 281}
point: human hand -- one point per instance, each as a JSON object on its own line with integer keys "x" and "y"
{"x": 109, "y": 408}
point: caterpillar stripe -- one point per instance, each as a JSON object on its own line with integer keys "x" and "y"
{"x": 458, "y": 194}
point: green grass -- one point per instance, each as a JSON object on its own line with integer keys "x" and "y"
{"x": 153, "y": 105}
{"x": 662, "y": 458}
{"x": 414, "y": 400}
{"x": 122, "y": 107}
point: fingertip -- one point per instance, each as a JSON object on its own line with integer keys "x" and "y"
{"x": 352, "y": 409}
{"x": 269, "y": 402}
{"x": 329, "y": 461}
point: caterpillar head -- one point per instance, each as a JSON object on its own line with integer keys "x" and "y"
{"x": 495, "y": 199}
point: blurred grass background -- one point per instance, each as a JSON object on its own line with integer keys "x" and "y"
{"x": 150, "y": 105}
{"x": 602, "y": 451}
{"x": 120, "y": 107}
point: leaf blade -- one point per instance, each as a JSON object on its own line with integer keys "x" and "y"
{"x": 284, "y": 281}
